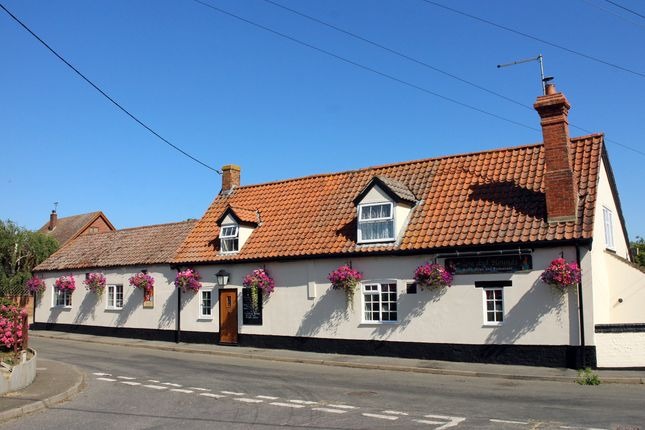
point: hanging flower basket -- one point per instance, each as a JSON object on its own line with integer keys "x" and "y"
{"x": 36, "y": 285}
{"x": 562, "y": 275}
{"x": 65, "y": 283}
{"x": 143, "y": 281}
{"x": 95, "y": 282}
{"x": 188, "y": 280}
{"x": 258, "y": 281}
{"x": 432, "y": 276}
{"x": 345, "y": 278}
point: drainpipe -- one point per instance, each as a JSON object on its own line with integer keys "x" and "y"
{"x": 178, "y": 332}
{"x": 581, "y": 317}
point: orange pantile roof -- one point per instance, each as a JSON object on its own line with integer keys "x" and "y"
{"x": 244, "y": 216}
{"x": 154, "y": 244}
{"x": 480, "y": 199}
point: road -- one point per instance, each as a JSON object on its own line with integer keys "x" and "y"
{"x": 134, "y": 388}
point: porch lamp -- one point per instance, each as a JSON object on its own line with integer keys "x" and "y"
{"x": 222, "y": 277}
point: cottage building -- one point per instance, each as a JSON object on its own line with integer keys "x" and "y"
{"x": 496, "y": 219}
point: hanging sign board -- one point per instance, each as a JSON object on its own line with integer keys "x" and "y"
{"x": 251, "y": 315}
{"x": 489, "y": 264}
{"x": 149, "y": 298}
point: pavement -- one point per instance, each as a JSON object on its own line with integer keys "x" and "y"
{"x": 57, "y": 382}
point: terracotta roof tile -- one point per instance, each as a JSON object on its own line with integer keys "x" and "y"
{"x": 484, "y": 198}
{"x": 133, "y": 246}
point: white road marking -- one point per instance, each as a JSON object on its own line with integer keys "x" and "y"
{"x": 44, "y": 368}
{"x": 129, "y": 378}
{"x": 247, "y": 400}
{"x": 130, "y": 383}
{"x": 171, "y": 384}
{"x": 232, "y": 393}
{"x": 331, "y": 411}
{"x": 106, "y": 379}
{"x": 343, "y": 406}
{"x": 99, "y": 374}
{"x": 508, "y": 422}
{"x": 287, "y": 405}
{"x": 156, "y": 387}
{"x": 452, "y": 421}
{"x": 199, "y": 389}
{"x": 267, "y": 397}
{"x": 181, "y": 390}
{"x": 581, "y": 428}
{"x": 304, "y": 402}
{"x": 381, "y": 417}
{"x": 428, "y": 422}
{"x": 153, "y": 380}
{"x": 216, "y": 396}
{"x": 395, "y": 412}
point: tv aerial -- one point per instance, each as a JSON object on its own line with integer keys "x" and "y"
{"x": 539, "y": 59}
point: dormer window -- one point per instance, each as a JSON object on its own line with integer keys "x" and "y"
{"x": 229, "y": 238}
{"x": 375, "y": 222}
{"x": 383, "y": 208}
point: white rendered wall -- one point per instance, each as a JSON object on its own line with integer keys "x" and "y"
{"x": 90, "y": 309}
{"x": 626, "y": 292}
{"x": 620, "y": 349}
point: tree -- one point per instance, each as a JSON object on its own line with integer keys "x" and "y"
{"x": 20, "y": 251}
{"x": 638, "y": 251}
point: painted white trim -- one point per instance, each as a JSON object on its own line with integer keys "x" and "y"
{"x": 111, "y": 305}
{"x": 485, "y": 308}
{"x": 200, "y": 302}
{"x": 65, "y": 295}
{"x": 375, "y": 220}
{"x": 380, "y": 283}
{"x": 230, "y": 237}
{"x": 608, "y": 224}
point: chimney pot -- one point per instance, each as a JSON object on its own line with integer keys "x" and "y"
{"x": 560, "y": 189}
{"x": 53, "y": 218}
{"x": 230, "y": 177}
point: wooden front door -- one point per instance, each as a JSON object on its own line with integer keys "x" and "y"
{"x": 228, "y": 316}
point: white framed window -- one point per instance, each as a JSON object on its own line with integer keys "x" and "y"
{"x": 229, "y": 238}
{"x": 206, "y": 304}
{"x": 114, "y": 297}
{"x": 493, "y": 306}
{"x": 608, "y": 218}
{"x": 62, "y": 299}
{"x": 375, "y": 222}
{"x": 380, "y": 302}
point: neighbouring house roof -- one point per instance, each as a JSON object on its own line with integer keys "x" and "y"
{"x": 70, "y": 227}
{"x": 479, "y": 199}
{"x": 152, "y": 244}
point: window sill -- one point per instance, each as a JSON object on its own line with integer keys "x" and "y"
{"x": 373, "y": 323}
{"x": 113, "y": 309}
{"x": 64, "y": 308}
{"x": 492, "y": 324}
{"x": 205, "y": 319}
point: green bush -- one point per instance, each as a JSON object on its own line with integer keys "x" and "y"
{"x": 587, "y": 377}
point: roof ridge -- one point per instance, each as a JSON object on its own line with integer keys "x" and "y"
{"x": 396, "y": 164}
{"x": 151, "y": 225}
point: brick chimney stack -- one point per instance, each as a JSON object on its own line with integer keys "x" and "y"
{"x": 230, "y": 177}
{"x": 560, "y": 188}
{"x": 53, "y": 218}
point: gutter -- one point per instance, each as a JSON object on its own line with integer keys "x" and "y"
{"x": 581, "y": 318}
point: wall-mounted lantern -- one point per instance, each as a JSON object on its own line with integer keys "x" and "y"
{"x": 222, "y": 277}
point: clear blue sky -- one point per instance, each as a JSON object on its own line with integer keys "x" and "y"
{"x": 229, "y": 92}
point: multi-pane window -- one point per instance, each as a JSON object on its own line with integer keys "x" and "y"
{"x": 375, "y": 222}
{"x": 115, "y": 296}
{"x": 229, "y": 238}
{"x": 62, "y": 298}
{"x": 494, "y": 305}
{"x": 206, "y": 304}
{"x": 609, "y": 227}
{"x": 379, "y": 302}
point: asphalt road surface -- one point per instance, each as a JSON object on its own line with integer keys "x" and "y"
{"x": 133, "y": 388}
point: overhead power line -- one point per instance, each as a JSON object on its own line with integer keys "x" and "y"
{"x": 397, "y": 53}
{"x": 407, "y": 57}
{"x": 625, "y": 9}
{"x": 104, "y": 94}
{"x": 537, "y": 39}
{"x": 364, "y": 67}
{"x": 614, "y": 13}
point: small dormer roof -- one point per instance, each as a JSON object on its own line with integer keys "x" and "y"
{"x": 396, "y": 190}
{"x": 241, "y": 216}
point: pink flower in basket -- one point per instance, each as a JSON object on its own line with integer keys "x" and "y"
{"x": 562, "y": 275}
{"x": 433, "y": 276}
{"x": 35, "y": 285}
{"x": 188, "y": 280}
{"x": 143, "y": 281}
{"x": 65, "y": 283}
